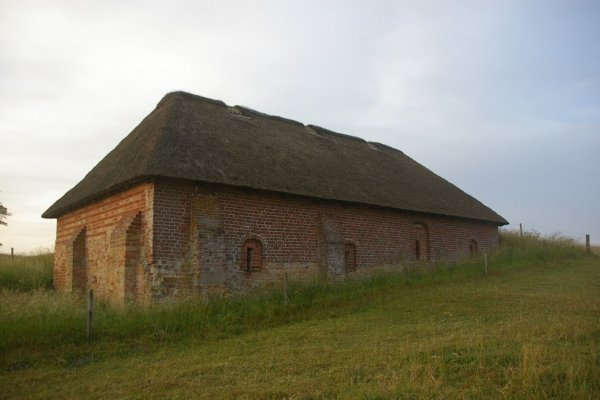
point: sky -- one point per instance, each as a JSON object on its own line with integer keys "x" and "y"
{"x": 501, "y": 98}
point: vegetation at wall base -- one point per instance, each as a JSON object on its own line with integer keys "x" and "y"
{"x": 527, "y": 330}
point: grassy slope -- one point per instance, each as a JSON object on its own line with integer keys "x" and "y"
{"x": 523, "y": 333}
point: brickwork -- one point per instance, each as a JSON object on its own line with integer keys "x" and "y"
{"x": 176, "y": 238}
{"x": 96, "y": 243}
{"x": 305, "y": 237}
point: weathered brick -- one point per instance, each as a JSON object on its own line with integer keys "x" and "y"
{"x": 180, "y": 238}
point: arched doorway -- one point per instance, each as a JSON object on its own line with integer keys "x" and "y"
{"x": 133, "y": 243}
{"x": 79, "y": 263}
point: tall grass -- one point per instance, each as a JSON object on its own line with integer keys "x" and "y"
{"x": 44, "y": 320}
{"x": 34, "y": 318}
{"x": 535, "y": 247}
{"x": 26, "y": 273}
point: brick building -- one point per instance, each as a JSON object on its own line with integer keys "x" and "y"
{"x": 202, "y": 196}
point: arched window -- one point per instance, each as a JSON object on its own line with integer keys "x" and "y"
{"x": 251, "y": 256}
{"x": 420, "y": 237}
{"x": 350, "y": 257}
{"x": 473, "y": 248}
{"x": 79, "y": 263}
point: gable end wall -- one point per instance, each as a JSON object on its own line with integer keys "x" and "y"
{"x": 106, "y": 223}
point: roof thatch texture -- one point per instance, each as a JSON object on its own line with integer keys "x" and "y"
{"x": 204, "y": 140}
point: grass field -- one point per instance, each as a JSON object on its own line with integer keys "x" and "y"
{"x": 530, "y": 329}
{"x": 26, "y": 272}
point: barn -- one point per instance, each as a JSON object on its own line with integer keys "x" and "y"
{"x": 203, "y": 197}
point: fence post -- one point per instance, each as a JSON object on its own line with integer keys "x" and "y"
{"x": 588, "y": 248}
{"x": 521, "y": 230}
{"x": 12, "y": 254}
{"x": 485, "y": 263}
{"x": 90, "y": 307}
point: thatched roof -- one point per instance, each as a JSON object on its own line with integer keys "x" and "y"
{"x": 199, "y": 139}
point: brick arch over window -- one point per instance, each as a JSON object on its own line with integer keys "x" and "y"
{"x": 133, "y": 251}
{"x": 251, "y": 236}
{"x": 350, "y": 257}
{"x": 79, "y": 263}
{"x": 252, "y": 256}
{"x": 420, "y": 241}
{"x": 473, "y": 247}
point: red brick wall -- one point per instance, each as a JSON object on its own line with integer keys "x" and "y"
{"x": 290, "y": 228}
{"x": 104, "y": 226}
{"x": 167, "y": 237}
{"x": 200, "y": 232}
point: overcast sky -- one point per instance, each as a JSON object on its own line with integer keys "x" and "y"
{"x": 501, "y": 98}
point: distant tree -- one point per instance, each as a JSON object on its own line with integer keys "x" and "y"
{"x": 3, "y": 214}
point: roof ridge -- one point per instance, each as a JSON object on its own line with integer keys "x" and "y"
{"x": 181, "y": 93}
{"x": 247, "y": 111}
{"x": 251, "y": 112}
{"x": 325, "y": 131}
{"x": 381, "y": 146}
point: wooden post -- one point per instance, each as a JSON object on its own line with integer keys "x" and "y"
{"x": 588, "y": 248}
{"x": 12, "y": 254}
{"x": 90, "y": 307}
{"x": 285, "y": 292}
{"x": 521, "y": 230}
{"x": 485, "y": 263}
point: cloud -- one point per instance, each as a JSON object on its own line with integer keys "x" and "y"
{"x": 491, "y": 95}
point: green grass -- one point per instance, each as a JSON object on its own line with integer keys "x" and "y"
{"x": 26, "y": 272}
{"x": 528, "y": 330}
